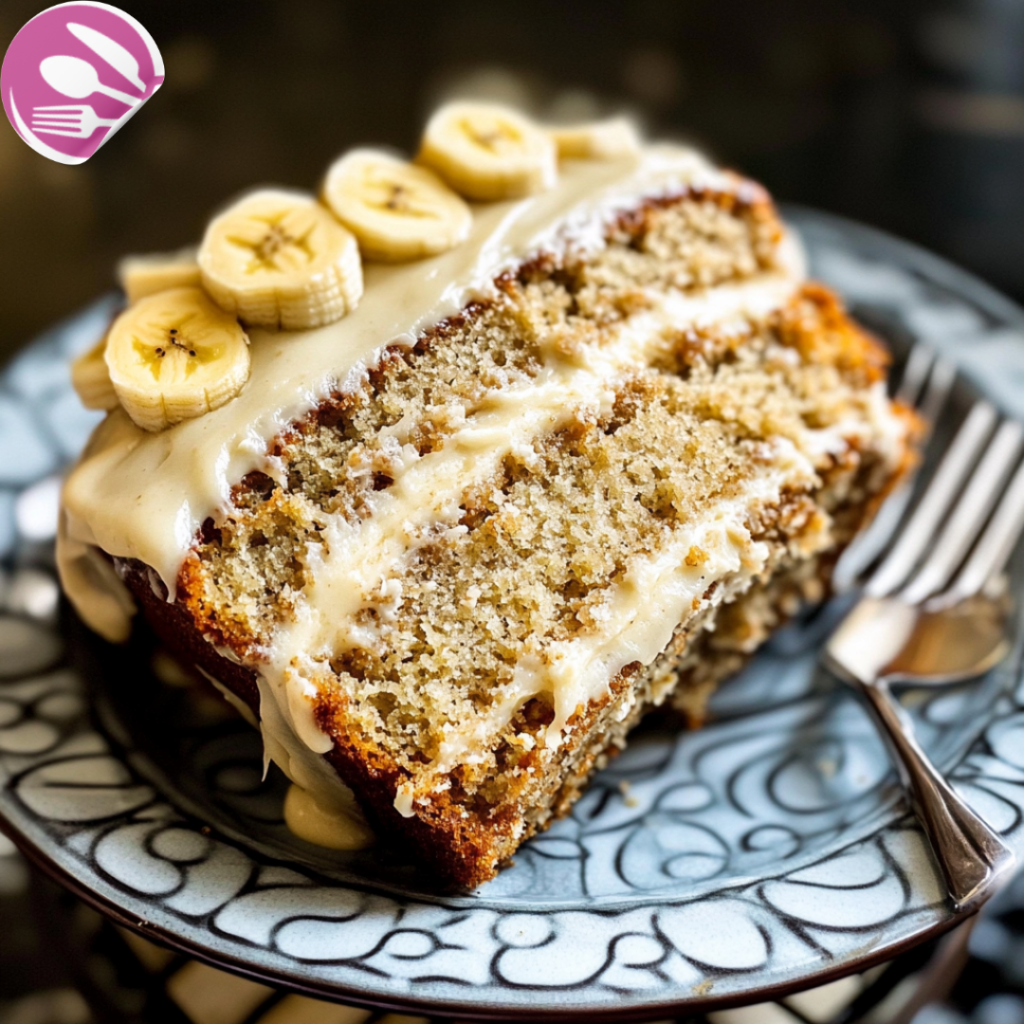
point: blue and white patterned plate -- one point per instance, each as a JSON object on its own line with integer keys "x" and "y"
{"x": 767, "y": 852}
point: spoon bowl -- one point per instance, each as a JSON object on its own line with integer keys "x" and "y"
{"x": 71, "y": 76}
{"x": 77, "y": 78}
{"x": 886, "y": 640}
{"x": 923, "y": 645}
{"x": 951, "y": 644}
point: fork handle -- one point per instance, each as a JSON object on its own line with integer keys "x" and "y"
{"x": 972, "y": 857}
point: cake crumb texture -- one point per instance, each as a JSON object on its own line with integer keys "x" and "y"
{"x": 687, "y": 417}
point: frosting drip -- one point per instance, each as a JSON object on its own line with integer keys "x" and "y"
{"x": 144, "y": 496}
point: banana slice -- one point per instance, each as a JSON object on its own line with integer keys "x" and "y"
{"x": 599, "y": 140}
{"x": 396, "y": 210}
{"x": 487, "y": 152}
{"x": 175, "y": 355}
{"x": 91, "y": 378}
{"x": 279, "y": 259}
{"x": 140, "y": 276}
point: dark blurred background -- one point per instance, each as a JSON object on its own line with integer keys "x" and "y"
{"x": 907, "y": 115}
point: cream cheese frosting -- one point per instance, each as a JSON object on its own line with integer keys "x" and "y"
{"x": 141, "y": 495}
{"x": 144, "y": 496}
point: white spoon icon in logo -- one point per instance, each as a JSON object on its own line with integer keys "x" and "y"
{"x": 77, "y": 78}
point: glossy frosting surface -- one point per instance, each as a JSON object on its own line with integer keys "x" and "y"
{"x": 144, "y": 496}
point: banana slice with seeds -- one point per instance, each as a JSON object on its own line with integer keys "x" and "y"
{"x": 175, "y": 355}
{"x": 140, "y": 276}
{"x": 278, "y": 259}
{"x": 91, "y": 379}
{"x": 599, "y": 140}
{"x": 487, "y": 152}
{"x": 396, "y": 210}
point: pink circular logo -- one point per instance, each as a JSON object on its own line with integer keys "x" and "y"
{"x": 74, "y": 74}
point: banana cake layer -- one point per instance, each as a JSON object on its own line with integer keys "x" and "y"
{"x": 449, "y": 549}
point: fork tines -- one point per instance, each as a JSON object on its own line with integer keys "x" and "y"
{"x": 965, "y": 517}
{"x": 925, "y": 386}
{"x": 75, "y": 120}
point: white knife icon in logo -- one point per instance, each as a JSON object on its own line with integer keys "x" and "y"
{"x": 110, "y": 51}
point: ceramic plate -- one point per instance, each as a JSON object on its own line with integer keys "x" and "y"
{"x": 767, "y": 852}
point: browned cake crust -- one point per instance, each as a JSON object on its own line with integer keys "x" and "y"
{"x": 462, "y": 851}
{"x": 485, "y": 481}
{"x": 476, "y": 823}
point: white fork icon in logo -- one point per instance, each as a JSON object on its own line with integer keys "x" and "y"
{"x": 76, "y": 122}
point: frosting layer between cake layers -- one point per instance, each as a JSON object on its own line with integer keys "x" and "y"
{"x": 144, "y": 496}
{"x": 141, "y": 495}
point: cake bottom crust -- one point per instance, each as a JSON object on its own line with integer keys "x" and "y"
{"x": 463, "y": 841}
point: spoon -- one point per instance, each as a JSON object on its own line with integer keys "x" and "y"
{"x": 884, "y": 641}
{"x": 923, "y": 645}
{"x": 77, "y": 78}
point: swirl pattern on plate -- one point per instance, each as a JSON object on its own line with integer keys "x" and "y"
{"x": 765, "y": 851}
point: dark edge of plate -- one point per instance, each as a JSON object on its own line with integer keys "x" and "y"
{"x": 934, "y": 267}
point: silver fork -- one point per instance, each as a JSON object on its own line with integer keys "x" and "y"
{"x": 929, "y": 613}
{"x": 77, "y": 121}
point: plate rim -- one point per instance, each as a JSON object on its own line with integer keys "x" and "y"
{"x": 935, "y": 268}
{"x": 341, "y": 993}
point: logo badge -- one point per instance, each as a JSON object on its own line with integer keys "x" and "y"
{"x": 74, "y": 75}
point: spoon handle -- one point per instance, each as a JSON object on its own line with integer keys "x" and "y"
{"x": 972, "y": 857}
{"x": 123, "y": 97}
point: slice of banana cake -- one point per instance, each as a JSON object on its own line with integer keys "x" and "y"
{"x": 452, "y": 471}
